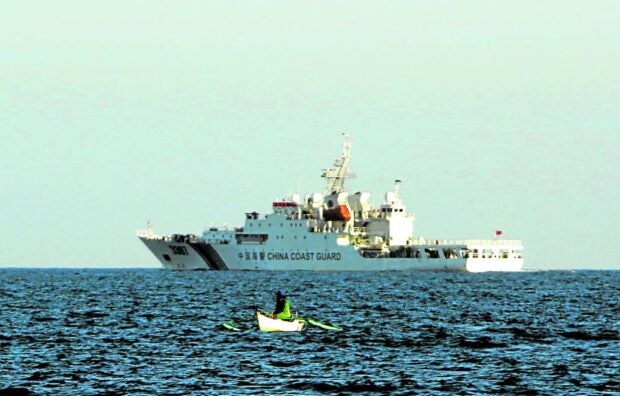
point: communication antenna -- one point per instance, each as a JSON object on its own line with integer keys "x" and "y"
{"x": 340, "y": 171}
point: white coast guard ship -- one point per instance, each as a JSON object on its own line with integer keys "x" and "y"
{"x": 330, "y": 231}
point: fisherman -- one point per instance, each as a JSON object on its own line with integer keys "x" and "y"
{"x": 283, "y": 307}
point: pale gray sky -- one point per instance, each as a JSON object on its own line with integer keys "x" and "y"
{"x": 496, "y": 115}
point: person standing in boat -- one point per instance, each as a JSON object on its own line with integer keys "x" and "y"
{"x": 283, "y": 307}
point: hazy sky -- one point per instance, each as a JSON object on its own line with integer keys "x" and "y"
{"x": 496, "y": 115}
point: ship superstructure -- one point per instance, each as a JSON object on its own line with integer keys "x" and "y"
{"x": 331, "y": 231}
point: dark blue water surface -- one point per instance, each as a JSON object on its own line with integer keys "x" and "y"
{"x": 92, "y": 332}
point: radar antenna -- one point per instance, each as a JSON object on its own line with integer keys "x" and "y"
{"x": 335, "y": 176}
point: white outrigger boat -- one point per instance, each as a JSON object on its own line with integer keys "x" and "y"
{"x": 265, "y": 323}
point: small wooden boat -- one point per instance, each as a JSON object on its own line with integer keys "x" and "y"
{"x": 265, "y": 323}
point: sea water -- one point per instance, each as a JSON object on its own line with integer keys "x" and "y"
{"x": 140, "y": 332}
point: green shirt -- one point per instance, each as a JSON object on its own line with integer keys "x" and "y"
{"x": 286, "y": 311}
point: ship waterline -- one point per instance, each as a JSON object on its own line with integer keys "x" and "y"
{"x": 330, "y": 231}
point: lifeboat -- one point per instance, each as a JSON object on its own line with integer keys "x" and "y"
{"x": 338, "y": 213}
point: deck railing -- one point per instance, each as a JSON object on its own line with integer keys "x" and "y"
{"x": 496, "y": 242}
{"x": 145, "y": 232}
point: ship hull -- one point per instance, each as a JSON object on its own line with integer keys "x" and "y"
{"x": 494, "y": 265}
{"x": 179, "y": 256}
{"x": 208, "y": 256}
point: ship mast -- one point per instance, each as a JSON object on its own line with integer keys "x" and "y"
{"x": 335, "y": 176}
